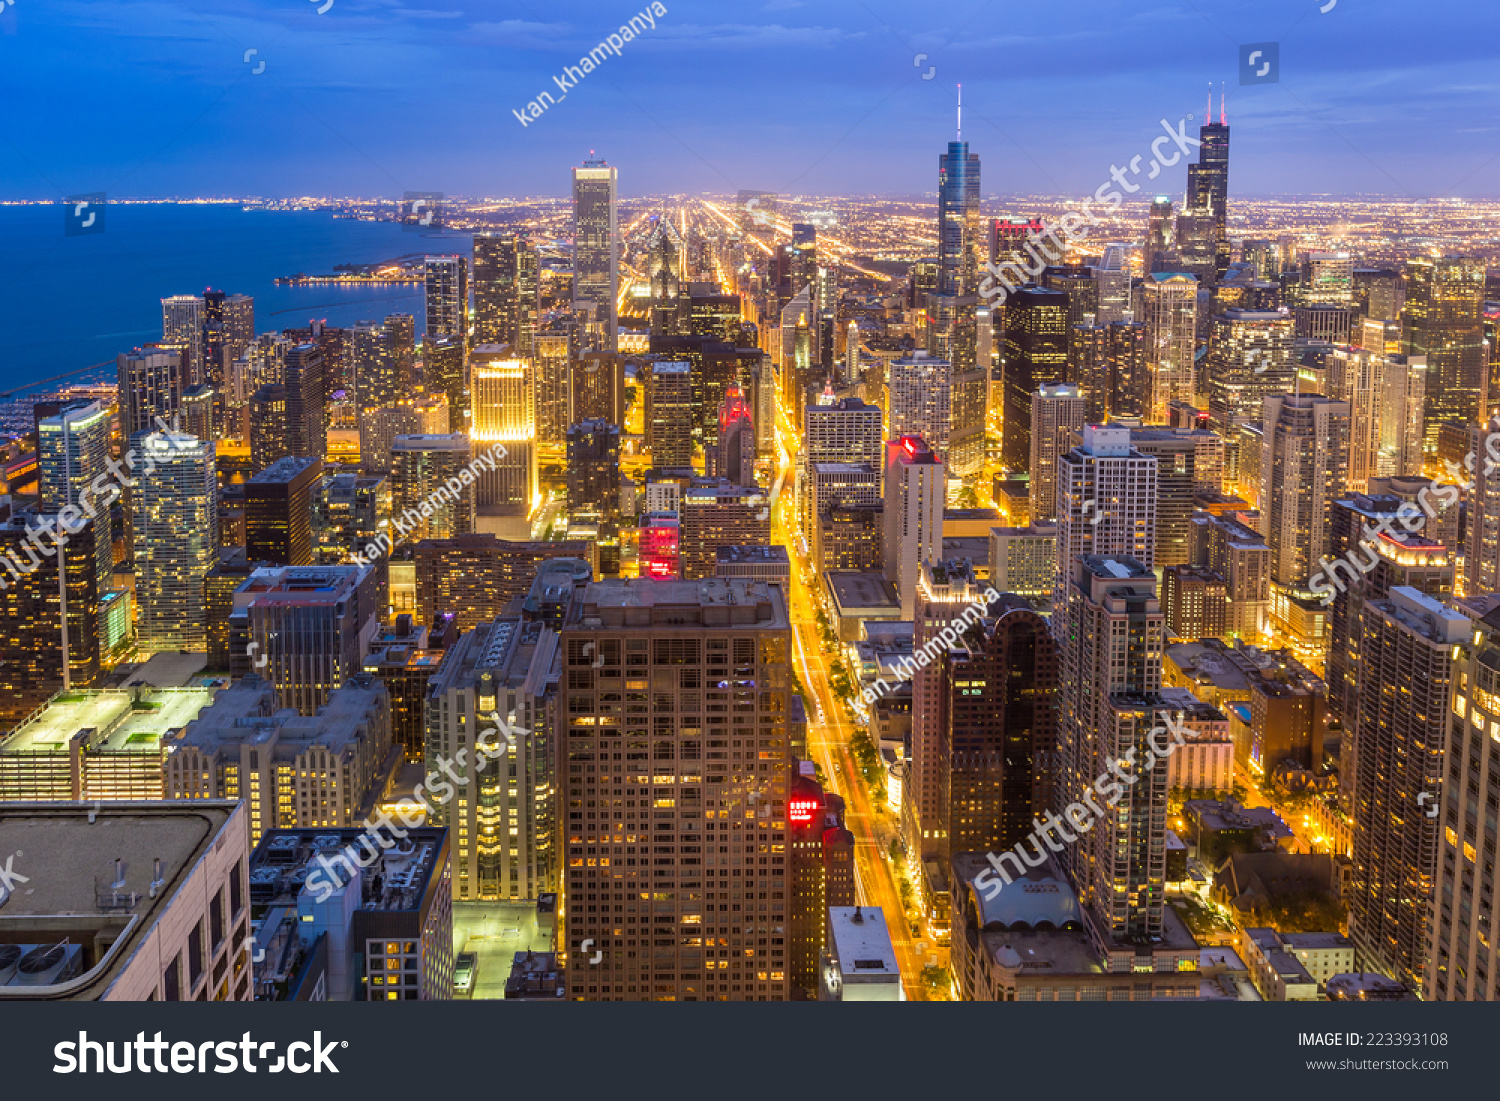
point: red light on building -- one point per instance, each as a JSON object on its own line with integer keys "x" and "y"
{"x": 801, "y": 811}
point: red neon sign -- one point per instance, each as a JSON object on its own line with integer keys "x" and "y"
{"x": 801, "y": 811}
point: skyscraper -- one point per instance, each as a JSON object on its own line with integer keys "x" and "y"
{"x": 1249, "y": 356}
{"x": 1106, "y": 502}
{"x": 504, "y": 405}
{"x": 377, "y": 382}
{"x": 919, "y": 399}
{"x": 1304, "y": 466}
{"x": 446, "y": 296}
{"x": 1461, "y": 947}
{"x": 1055, "y": 408}
{"x": 151, "y": 381}
{"x": 72, "y": 451}
{"x": 306, "y": 629}
{"x": 735, "y": 455}
{"x": 505, "y": 291}
{"x": 1000, "y": 688}
{"x": 182, "y": 327}
{"x": 1398, "y": 733}
{"x": 1169, "y": 308}
{"x": 419, "y": 465}
{"x": 1036, "y": 353}
{"x": 714, "y": 513}
{"x": 844, "y": 431}
{"x": 594, "y": 470}
{"x": 596, "y": 243}
{"x": 504, "y": 818}
{"x": 1443, "y": 321}
{"x": 681, "y": 635}
{"x": 1159, "y": 253}
{"x": 174, "y": 507}
{"x": 1108, "y": 361}
{"x": 1110, "y": 632}
{"x": 1208, "y": 184}
{"x": 279, "y": 512}
{"x": 669, "y": 414}
{"x": 228, "y": 330}
{"x": 915, "y": 489}
{"x": 444, "y": 371}
{"x": 306, "y": 402}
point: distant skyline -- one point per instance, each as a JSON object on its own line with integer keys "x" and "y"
{"x": 377, "y": 97}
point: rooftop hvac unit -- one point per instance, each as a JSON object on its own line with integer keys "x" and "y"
{"x": 48, "y": 964}
{"x": 10, "y": 955}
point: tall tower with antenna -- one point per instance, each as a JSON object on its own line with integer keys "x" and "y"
{"x": 1208, "y": 180}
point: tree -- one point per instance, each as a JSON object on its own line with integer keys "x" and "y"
{"x": 936, "y": 978}
{"x": 895, "y": 850}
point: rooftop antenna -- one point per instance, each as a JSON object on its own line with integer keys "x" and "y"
{"x": 1223, "y": 116}
{"x": 1209, "y": 117}
{"x": 960, "y": 113}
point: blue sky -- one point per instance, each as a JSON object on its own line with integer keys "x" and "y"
{"x": 376, "y": 97}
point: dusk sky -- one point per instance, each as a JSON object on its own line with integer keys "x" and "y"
{"x": 375, "y": 97}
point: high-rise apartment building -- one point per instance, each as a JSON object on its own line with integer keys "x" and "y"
{"x": 503, "y": 814}
{"x": 1249, "y": 357}
{"x": 1168, "y": 307}
{"x": 446, "y": 296}
{"x": 918, "y": 399}
{"x": 49, "y": 610}
{"x": 915, "y": 489}
{"x": 1108, "y": 363}
{"x": 1304, "y": 466}
{"x": 1106, "y": 501}
{"x": 1461, "y": 947}
{"x": 475, "y": 577}
{"x": 445, "y": 371}
{"x": 714, "y": 513}
{"x": 175, "y": 526}
{"x": 685, "y": 639}
{"x": 182, "y": 327}
{"x": 596, "y": 381}
{"x": 1397, "y": 736}
{"x": 1056, "y": 408}
{"x": 418, "y": 415}
{"x": 596, "y": 245}
{"x": 151, "y": 381}
{"x": 669, "y": 414}
{"x": 1110, "y": 632}
{"x": 306, "y": 402}
{"x": 73, "y": 451}
{"x": 421, "y": 466}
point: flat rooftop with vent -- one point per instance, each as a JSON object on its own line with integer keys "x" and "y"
{"x": 124, "y": 902}
{"x": 859, "y": 964}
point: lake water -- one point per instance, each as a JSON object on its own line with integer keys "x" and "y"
{"x": 70, "y": 302}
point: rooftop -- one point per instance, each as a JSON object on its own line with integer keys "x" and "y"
{"x": 69, "y": 853}
{"x": 108, "y": 720}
